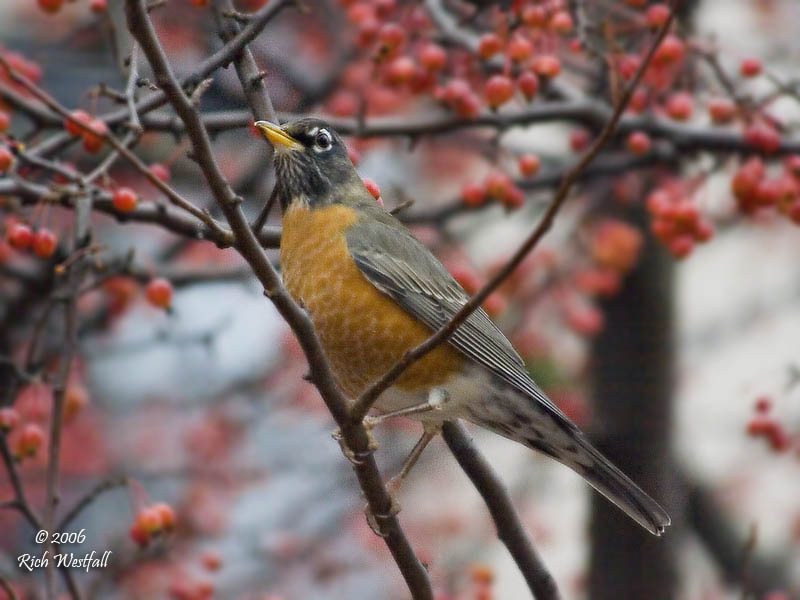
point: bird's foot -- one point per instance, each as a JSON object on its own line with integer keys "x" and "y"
{"x": 374, "y": 520}
{"x": 356, "y": 458}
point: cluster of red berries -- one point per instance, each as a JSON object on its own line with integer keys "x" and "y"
{"x": 765, "y": 425}
{"x": 152, "y": 521}
{"x": 91, "y": 130}
{"x": 22, "y": 237}
{"x": 676, "y": 221}
{"x": 497, "y": 186}
{"x": 27, "y": 440}
{"x": 754, "y": 190}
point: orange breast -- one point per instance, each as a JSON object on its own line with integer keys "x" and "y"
{"x": 363, "y": 331}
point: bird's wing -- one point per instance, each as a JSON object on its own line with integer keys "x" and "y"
{"x": 398, "y": 265}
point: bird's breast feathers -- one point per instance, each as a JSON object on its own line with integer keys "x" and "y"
{"x": 363, "y": 331}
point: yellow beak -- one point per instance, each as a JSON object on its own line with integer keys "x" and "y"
{"x": 277, "y": 136}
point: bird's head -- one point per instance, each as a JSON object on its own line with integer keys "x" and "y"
{"x": 311, "y": 163}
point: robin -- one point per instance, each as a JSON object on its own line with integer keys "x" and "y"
{"x": 373, "y": 291}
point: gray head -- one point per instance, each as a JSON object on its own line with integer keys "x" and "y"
{"x": 311, "y": 163}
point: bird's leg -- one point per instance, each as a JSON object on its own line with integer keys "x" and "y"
{"x": 393, "y": 485}
{"x": 431, "y": 431}
{"x": 437, "y": 398}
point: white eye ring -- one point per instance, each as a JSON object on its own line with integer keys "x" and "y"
{"x": 323, "y": 140}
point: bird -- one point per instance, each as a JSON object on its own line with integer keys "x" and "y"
{"x": 373, "y": 291}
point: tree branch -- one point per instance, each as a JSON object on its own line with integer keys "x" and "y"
{"x": 509, "y": 528}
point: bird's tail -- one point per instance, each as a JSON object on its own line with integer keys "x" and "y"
{"x": 568, "y": 446}
{"x": 607, "y": 479}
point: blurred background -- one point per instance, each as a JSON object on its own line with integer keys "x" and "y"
{"x": 670, "y": 337}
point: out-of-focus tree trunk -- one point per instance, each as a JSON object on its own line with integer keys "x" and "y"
{"x": 632, "y": 371}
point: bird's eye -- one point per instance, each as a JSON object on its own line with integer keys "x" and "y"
{"x": 323, "y": 140}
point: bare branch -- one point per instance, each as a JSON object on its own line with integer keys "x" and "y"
{"x": 509, "y": 528}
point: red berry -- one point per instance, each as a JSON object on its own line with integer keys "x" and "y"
{"x": 391, "y": 36}
{"x": 657, "y": 202}
{"x": 30, "y": 440}
{"x": 745, "y": 183}
{"x": 499, "y": 90}
{"x": 639, "y": 142}
{"x": 5, "y": 121}
{"x": 433, "y": 57}
{"x": 561, "y": 22}
{"x": 681, "y": 246}
{"x": 372, "y": 187}
{"x": 763, "y": 404}
{"x": 93, "y": 137}
{"x": 159, "y": 292}
{"x": 401, "y": 70}
{"x": 759, "y": 425}
{"x": 579, "y": 140}
{"x": 519, "y": 48}
{"x": 76, "y": 398}
{"x": 200, "y": 3}
{"x": 73, "y": 128}
{"x": 680, "y": 106}
{"x": 489, "y": 45}
{"x": 750, "y": 67}
{"x": 721, "y": 110}
{"x": 529, "y": 165}
{"x": 50, "y": 6}
{"x": 547, "y": 65}
{"x": 98, "y": 6}
{"x": 6, "y": 159}
{"x": 44, "y": 243}
{"x": 124, "y": 199}
{"x": 160, "y": 171}
{"x": 211, "y": 561}
{"x": 627, "y": 65}
{"x": 9, "y": 418}
{"x": 513, "y": 198}
{"x": 670, "y": 51}
{"x": 473, "y": 194}
{"x": 586, "y": 320}
{"x": 703, "y": 231}
{"x": 528, "y": 84}
{"x": 166, "y": 515}
{"x": 20, "y": 236}
{"x": 498, "y": 185}
{"x": 763, "y": 138}
{"x": 138, "y": 534}
{"x": 149, "y": 520}
{"x": 657, "y": 15}
{"x": 639, "y": 101}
